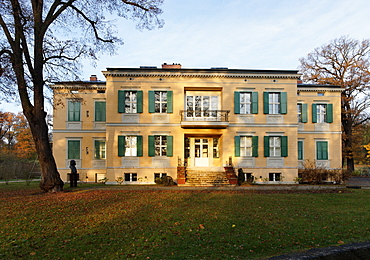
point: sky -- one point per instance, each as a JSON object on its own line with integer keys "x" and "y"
{"x": 238, "y": 34}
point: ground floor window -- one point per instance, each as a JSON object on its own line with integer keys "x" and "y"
{"x": 248, "y": 177}
{"x": 159, "y": 175}
{"x": 130, "y": 177}
{"x": 273, "y": 176}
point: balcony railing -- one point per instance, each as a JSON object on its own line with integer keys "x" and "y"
{"x": 204, "y": 118}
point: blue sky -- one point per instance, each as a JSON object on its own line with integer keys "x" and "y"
{"x": 244, "y": 34}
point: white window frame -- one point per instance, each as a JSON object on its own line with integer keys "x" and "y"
{"x": 160, "y": 101}
{"x": 274, "y": 103}
{"x": 131, "y": 102}
{"x": 160, "y": 145}
{"x": 246, "y": 146}
{"x": 321, "y": 110}
{"x": 130, "y": 145}
{"x": 101, "y": 151}
{"x": 245, "y": 103}
{"x": 131, "y": 175}
{"x": 275, "y": 146}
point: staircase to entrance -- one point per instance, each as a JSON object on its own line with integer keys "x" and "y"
{"x": 206, "y": 177}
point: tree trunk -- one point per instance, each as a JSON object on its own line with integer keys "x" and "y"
{"x": 50, "y": 178}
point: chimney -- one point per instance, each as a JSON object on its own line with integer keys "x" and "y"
{"x": 171, "y": 66}
{"x": 93, "y": 78}
{"x": 299, "y": 81}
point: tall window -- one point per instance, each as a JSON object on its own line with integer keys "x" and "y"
{"x": 74, "y": 110}
{"x": 130, "y": 145}
{"x": 302, "y": 113}
{"x": 99, "y": 149}
{"x": 130, "y": 101}
{"x": 160, "y": 144}
{"x": 275, "y": 146}
{"x": 299, "y": 112}
{"x": 322, "y": 113}
{"x": 100, "y": 108}
{"x": 274, "y": 103}
{"x": 245, "y": 146}
{"x": 160, "y": 101}
{"x": 245, "y": 103}
{"x": 322, "y": 150}
{"x": 215, "y": 148}
{"x": 300, "y": 150}
{"x": 74, "y": 149}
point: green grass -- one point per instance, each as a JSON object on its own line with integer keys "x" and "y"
{"x": 148, "y": 224}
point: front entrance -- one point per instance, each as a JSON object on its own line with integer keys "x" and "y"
{"x": 201, "y": 152}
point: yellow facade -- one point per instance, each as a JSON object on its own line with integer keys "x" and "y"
{"x": 144, "y": 122}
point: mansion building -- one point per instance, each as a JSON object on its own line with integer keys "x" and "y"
{"x": 198, "y": 126}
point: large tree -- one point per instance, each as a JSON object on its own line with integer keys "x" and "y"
{"x": 43, "y": 40}
{"x": 343, "y": 62}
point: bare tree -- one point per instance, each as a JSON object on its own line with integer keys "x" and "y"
{"x": 343, "y": 62}
{"x": 43, "y": 40}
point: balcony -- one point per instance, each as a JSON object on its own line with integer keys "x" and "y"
{"x": 204, "y": 118}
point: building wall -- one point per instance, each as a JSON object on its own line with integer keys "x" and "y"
{"x": 223, "y": 84}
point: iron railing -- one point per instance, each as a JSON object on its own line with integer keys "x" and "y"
{"x": 205, "y": 115}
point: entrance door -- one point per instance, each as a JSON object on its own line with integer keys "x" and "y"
{"x": 201, "y": 152}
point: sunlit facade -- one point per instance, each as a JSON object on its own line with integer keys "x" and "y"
{"x": 145, "y": 123}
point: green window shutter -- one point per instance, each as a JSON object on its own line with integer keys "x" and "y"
{"x": 151, "y": 147}
{"x": 169, "y": 145}
{"x": 322, "y": 150}
{"x": 121, "y": 101}
{"x": 304, "y": 113}
{"x": 74, "y": 110}
{"x": 254, "y": 108}
{"x": 139, "y": 146}
{"x": 139, "y": 101}
{"x": 73, "y": 149}
{"x": 283, "y": 103}
{"x": 151, "y": 98}
{"x": 329, "y": 113}
{"x": 237, "y": 102}
{"x": 266, "y": 146}
{"x": 97, "y": 149}
{"x": 100, "y": 108}
{"x": 255, "y": 146}
{"x": 314, "y": 113}
{"x": 265, "y": 102}
{"x": 300, "y": 150}
{"x": 121, "y": 145}
{"x": 284, "y": 146}
{"x": 169, "y": 102}
{"x": 237, "y": 146}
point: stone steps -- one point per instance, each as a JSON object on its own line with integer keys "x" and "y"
{"x": 206, "y": 178}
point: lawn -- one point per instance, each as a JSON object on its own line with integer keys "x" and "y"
{"x": 155, "y": 224}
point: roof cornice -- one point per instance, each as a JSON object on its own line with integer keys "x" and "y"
{"x": 195, "y": 73}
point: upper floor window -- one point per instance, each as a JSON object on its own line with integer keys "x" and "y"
{"x": 74, "y": 110}
{"x": 160, "y": 101}
{"x": 302, "y": 113}
{"x": 300, "y": 150}
{"x": 275, "y": 103}
{"x": 130, "y": 145}
{"x": 246, "y": 102}
{"x": 276, "y": 146}
{"x": 322, "y": 113}
{"x": 100, "y": 111}
{"x": 246, "y": 146}
{"x": 130, "y": 101}
{"x": 99, "y": 149}
{"x": 73, "y": 149}
{"x": 322, "y": 150}
{"x": 160, "y": 145}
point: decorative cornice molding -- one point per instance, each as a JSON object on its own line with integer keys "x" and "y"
{"x": 327, "y": 89}
{"x": 198, "y": 75}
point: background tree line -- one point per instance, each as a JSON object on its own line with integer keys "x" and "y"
{"x": 18, "y": 157}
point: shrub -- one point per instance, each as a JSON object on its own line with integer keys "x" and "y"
{"x": 119, "y": 180}
{"x": 165, "y": 180}
{"x": 241, "y": 177}
{"x": 313, "y": 174}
